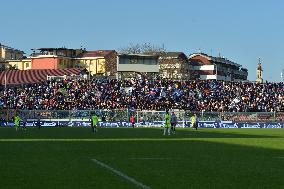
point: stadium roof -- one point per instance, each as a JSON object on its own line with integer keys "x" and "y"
{"x": 17, "y": 77}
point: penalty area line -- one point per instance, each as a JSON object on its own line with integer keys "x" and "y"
{"x": 279, "y": 157}
{"x": 119, "y": 173}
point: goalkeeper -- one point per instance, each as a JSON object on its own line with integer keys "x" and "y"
{"x": 194, "y": 122}
{"x": 94, "y": 123}
{"x": 17, "y": 120}
{"x": 167, "y": 123}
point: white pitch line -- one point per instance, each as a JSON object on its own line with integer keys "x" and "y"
{"x": 280, "y": 157}
{"x": 121, "y": 174}
{"x": 93, "y": 139}
{"x": 151, "y": 158}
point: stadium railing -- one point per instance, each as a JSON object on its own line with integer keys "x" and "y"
{"x": 124, "y": 115}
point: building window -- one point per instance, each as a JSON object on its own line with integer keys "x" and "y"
{"x": 27, "y": 65}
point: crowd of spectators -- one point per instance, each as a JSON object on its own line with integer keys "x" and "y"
{"x": 143, "y": 94}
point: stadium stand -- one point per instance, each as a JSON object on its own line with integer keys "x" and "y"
{"x": 142, "y": 94}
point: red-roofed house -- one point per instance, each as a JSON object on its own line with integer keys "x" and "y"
{"x": 101, "y": 62}
{"x": 219, "y": 68}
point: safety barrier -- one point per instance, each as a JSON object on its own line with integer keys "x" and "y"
{"x": 121, "y": 117}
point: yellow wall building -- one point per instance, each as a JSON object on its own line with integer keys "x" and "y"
{"x": 94, "y": 65}
{"x": 95, "y": 61}
{"x": 24, "y": 64}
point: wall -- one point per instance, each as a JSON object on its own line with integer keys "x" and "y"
{"x": 137, "y": 64}
{"x": 27, "y": 62}
{"x": 65, "y": 63}
{"x": 2, "y": 53}
{"x": 16, "y": 64}
{"x": 138, "y": 68}
{"x": 94, "y": 64}
{"x": 21, "y": 64}
{"x": 44, "y": 63}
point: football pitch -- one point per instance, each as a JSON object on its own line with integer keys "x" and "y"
{"x": 73, "y": 157}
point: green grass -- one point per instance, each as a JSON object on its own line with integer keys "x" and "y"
{"x": 207, "y": 158}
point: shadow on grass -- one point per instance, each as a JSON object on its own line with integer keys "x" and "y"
{"x": 157, "y": 164}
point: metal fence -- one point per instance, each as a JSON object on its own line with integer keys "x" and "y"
{"x": 123, "y": 115}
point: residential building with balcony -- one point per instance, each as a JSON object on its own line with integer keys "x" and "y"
{"x": 174, "y": 65}
{"x": 9, "y": 54}
{"x": 219, "y": 68}
{"x": 137, "y": 65}
{"x": 54, "y": 58}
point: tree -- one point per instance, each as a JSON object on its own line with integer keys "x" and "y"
{"x": 5, "y": 66}
{"x": 111, "y": 63}
{"x": 10, "y": 67}
{"x": 145, "y": 48}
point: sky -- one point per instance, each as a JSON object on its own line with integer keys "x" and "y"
{"x": 240, "y": 30}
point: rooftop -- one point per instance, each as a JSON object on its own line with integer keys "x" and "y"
{"x": 51, "y": 49}
{"x": 221, "y": 60}
{"x": 96, "y": 53}
{"x": 138, "y": 55}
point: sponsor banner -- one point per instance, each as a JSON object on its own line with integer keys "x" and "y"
{"x": 201, "y": 124}
{"x": 250, "y": 125}
{"x": 114, "y": 124}
{"x": 208, "y": 124}
{"x": 49, "y": 123}
{"x": 273, "y": 125}
{"x": 228, "y": 124}
{"x": 7, "y": 124}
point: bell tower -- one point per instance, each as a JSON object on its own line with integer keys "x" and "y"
{"x": 259, "y": 72}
